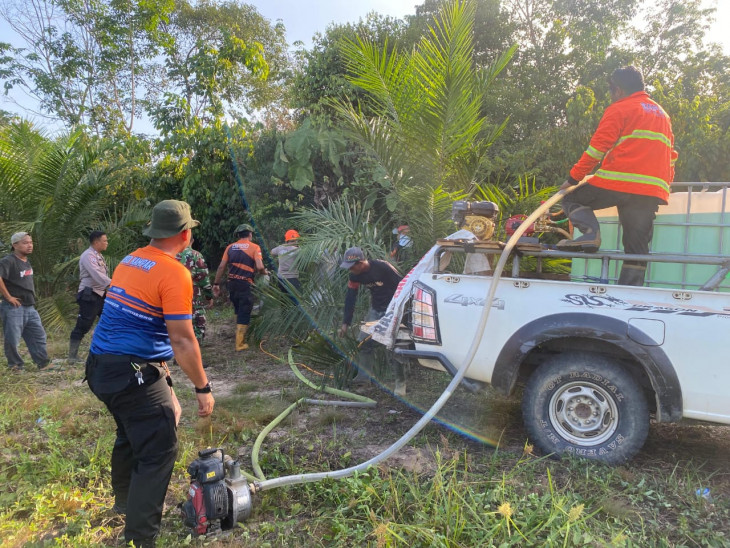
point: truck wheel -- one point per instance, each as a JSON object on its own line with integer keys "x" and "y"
{"x": 586, "y": 405}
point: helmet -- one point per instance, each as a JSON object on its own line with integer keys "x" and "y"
{"x": 242, "y": 227}
{"x": 291, "y": 235}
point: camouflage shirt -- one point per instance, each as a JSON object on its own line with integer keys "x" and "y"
{"x": 194, "y": 262}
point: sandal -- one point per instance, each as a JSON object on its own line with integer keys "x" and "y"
{"x": 55, "y": 365}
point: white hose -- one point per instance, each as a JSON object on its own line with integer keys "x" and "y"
{"x": 436, "y": 407}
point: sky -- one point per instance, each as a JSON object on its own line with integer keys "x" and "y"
{"x": 302, "y": 22}
{"x": 303, "y": 18}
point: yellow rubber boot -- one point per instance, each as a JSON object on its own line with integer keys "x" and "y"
{"x": 241, "y": 337}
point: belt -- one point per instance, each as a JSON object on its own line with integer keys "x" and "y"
{"x": 131, "y": 358}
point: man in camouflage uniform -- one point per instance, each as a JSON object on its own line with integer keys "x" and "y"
{"x": 202, "y": 289}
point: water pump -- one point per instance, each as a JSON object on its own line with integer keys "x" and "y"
{"x": 219, "y": 495}
{"x": 477, "y": 217}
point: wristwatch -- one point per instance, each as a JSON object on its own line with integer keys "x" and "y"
{"x": 205, "y": 390}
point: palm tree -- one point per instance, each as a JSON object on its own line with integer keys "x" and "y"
{"x": 428, "y": 134}
{"x": 55, "y": 189}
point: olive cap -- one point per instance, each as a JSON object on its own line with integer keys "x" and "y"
{"x": 170, "y": 217}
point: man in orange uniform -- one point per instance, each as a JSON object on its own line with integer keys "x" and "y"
{"x": 244, "y": 259}
{"x": 147, "y": 318}
{"x": 635, "y": 146}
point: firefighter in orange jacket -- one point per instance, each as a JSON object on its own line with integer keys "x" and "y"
{"x": 635, "y": 146}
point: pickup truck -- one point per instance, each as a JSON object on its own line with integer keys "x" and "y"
{"x": 596, "y": 361}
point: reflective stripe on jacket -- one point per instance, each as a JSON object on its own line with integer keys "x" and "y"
{"x": 241, "y": 257}
{"x": 635, "y": 146}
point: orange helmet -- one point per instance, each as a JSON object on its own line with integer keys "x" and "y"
{"x": 291, "y": 235}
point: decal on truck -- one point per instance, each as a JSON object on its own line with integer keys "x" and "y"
{"x": 465, "y": 300}
{"x": 382, "y": 325}
{"x": 606, "y": 301}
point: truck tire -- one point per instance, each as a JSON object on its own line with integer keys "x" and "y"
{"x": 587, "y": 405}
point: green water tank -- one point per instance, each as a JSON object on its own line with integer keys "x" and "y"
{"x": 695, "y": 222}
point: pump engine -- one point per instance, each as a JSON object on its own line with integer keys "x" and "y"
{"x": 476, "y": 217}
{"x": 219, "y": 495}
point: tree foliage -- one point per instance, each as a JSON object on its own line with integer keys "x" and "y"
{"x": 57, "y": 190}
{"x": 214, "y": 64}
{"x": 107, "y": 63}
{"x": 321, "y": 71}
{"x": 210, "y": 67}
{"x": 308, "y": 146}
{"x": 85, "y": 62}
{"x": 427, "y": 130}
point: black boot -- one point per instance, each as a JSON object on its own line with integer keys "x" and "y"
{"x": 73, "y": 351}
{"x": 584, "y": 220}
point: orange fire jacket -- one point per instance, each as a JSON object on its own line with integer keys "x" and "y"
{"x": 634, "y": 144}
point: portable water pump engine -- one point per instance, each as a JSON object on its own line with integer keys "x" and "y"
{"x": 476, "y": 217}
{"x": 219, "y": 495}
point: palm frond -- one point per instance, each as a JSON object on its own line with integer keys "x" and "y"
{"x": 329, "y": 356}
{"x": 382, "y": 139}
{"x": 429, "y": 216}
{"x": 340, "y": 225}
{"x": 54, "y": 189}
{"x": 385, "y": 76}
{"x": 123, "y": 224}
{"x": 487, "y": 75}
{"x": 57, "y": 312}
{"x": 523, "y": 198}
{"x": 428, "y": 130}
{"x": 444, "y": 62}
{"x": 319, "y": 306}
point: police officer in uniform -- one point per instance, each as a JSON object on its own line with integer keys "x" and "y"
{"x": 94, "y": 279}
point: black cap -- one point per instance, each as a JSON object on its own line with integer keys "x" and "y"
{"x": 352, "y": 256}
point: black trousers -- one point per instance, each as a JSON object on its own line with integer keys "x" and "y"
{"x": 146, "y": 445}
{"x": 242, "y": 299}
{"x": 636, "y": 214}
{"x": 90, "y": 307}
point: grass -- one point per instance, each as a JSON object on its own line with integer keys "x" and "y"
{"x": 55, "y": 441}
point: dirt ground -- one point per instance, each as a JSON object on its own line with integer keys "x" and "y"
{"x": 478, "y": 423}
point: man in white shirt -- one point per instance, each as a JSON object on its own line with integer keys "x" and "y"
{"x": 95, "y": 279}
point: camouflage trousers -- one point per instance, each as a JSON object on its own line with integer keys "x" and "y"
{"x": 199, "y": 322}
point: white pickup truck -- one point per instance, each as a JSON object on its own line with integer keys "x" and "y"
{"x": 597, "y": 360}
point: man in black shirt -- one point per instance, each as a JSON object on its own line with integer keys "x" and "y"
{"x": 382, "y": 279}
{"x": 17, "y": 309}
